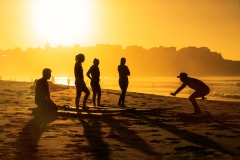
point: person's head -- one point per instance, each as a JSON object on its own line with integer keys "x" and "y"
{"x": 96, "y": 62}
{"x": 80, "y": 57}
{"x": 123, "y": 61}
{"x": 46, "y": 73}
{"x": 183, "y": 77}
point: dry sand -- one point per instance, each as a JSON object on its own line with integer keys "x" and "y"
{"x": 158, "y": 135}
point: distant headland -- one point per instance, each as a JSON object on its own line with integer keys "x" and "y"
{"x": 156, "y": 61}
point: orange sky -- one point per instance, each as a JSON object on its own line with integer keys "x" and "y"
{"x": 148, "y": 23}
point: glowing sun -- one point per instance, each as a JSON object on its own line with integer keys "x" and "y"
{"x": 63, "y": 21}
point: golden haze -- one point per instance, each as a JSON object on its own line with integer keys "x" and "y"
{"x": 179, "y": 23}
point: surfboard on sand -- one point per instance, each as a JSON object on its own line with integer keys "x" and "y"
{"x": 183, "y": 115}
{"x": 92, "y": 109}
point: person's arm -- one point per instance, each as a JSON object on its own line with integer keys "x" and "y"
{"x": 179, "y": 89}
{"x": 48, "y": 92}
{"x": 88, "y": 73}
{"x": 128, "y": 72}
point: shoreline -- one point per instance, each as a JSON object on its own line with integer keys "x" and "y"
{"x": 160, "y": 91}
{"x": 180, "y": 95}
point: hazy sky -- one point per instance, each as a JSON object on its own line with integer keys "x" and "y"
{"x": 148, "y": 23}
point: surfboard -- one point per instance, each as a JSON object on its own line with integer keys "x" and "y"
{"x": 95, "y": 109}
{"x": 111, "y": 109}
{"x": 71, "y": 110}
{"x": 82, "y": 113}
{"x": 182, "y": 115}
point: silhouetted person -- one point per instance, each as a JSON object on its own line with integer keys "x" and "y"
{"x": 201, "y": 90}
{"x": 42, "y": 94}
{"x": 53, "y": 80}
{"x": 94, "y": 74}
{"x": 123, "y": 72}
{"x": 79, "y": 81}
{"x": 68, "y": 81}
{"x": 32, "y": 88}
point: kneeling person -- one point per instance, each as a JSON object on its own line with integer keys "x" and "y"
{"x": 42, "y": 94}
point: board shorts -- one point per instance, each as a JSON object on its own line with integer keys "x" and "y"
{"x": 81, "y": 87}
{"x": 203, "y": 92}
{"x": 95, "y": 86}
{"x": 123, "y": 83}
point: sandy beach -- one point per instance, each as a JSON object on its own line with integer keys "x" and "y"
{"x": 132, "y": 136}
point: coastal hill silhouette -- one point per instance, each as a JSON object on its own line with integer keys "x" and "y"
{"x": 156, "y": 61}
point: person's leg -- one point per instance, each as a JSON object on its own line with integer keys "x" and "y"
{"x": 120, "y": 97}
{"x": 87, "y": 93}
{"x": 123, "y": 96}
{"x": 124, "y": 87}
{"x": 78, "y": 95}
{"x": 99, "y": 93}
{"x": 95, "y": 88}
{"x": 53, "y": 107}
{"x": 120, "y": 100}
{"x": 94, "y": 98}
{"x": 47, "y": 107}
{"x": 194, "y": 103}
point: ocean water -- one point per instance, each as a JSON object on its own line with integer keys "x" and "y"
{"x": 222, "y": 88}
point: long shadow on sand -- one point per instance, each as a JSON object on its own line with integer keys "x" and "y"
{"x": 186, "y": 135}
{"x": 28, "y": 138}
{"x": 124, "y": 135}
{"x": 92, "y": 131}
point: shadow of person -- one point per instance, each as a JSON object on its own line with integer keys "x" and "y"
{"x": 93, "y": 133}
{"x": 28, "y": 138}
{"x": 129, "y": 137}
{"x": 191, "y": 137}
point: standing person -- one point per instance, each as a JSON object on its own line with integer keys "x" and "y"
{"x": 32, "y": 88}
{"x": 201, "y": 90}
{"x": 94, "y": 75}
{"x": 79, "y": 81}
{"x": 123, "y": 72}
{"x": 53, "y": 80}
{"x": 42, "y": 94}
{"x": 68, "y": 81}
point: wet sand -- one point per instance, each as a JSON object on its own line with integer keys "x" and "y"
{"x": 155, "y": 135}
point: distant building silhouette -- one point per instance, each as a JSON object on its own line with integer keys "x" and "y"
{"x": 47, "y": 47}
{"x": 200, "y": 61}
